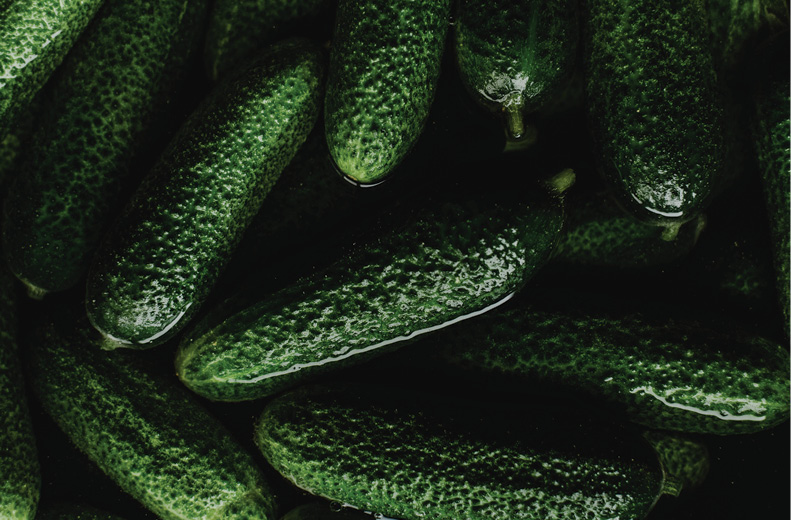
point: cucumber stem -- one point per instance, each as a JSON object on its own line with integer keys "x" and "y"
{"x": 560, "y": 182}
{"x": 514, "y": 122}
{"x": 672, "y": 485}
{"x": 671, "y": 231}
{"x": 35, "y": 293}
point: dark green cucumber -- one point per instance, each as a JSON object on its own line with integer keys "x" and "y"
{"x": 514, "y": 55}
{"x": 408, "y": 455}
{"x": 600, "y": 234}
{"x": 64, "y": 511}
{"x": 143, "y": 429}
{"x": 682, "y": 457}
{"x": 653, "y": 105}
{"x": 155, "y": 268}
{"x": 664, "y": 373}
{"x": 68, "y": 189}
{"x": 35, "y": 35}
{"x": 454, "y": 260}
{"x": 20, "y": 479}
{"x": 384, "y": 68}
{"x": 237, "y": 28}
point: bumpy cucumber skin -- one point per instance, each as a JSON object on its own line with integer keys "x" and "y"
{"x": 653, "y": 105}
{"x": 669, "y": 375}
{"x": 384, "y": 68}
{"x": 516, "y": 54}
{"x": 686, "y": 459}
{"x": 35, "y": 35}
{"x": 239, "y": 27}
{"x": 411, "y": 458}
{"x": 599, "y": 234}
{"x": 145, "y": 431}
{"x": 158, "y": 264}
{"x": 20, "y": 479}
{"x": 74, "y": 512}
{"x": 456, "y": 258}
{"x": 88, "y": 129}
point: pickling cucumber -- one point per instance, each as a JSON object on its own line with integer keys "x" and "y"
{"x": 90, "y": 125}
{"x": 154, "y": 269}
{"x": 384, "y": 68}
{"x": 143, "y": 429}
{"x": 455, "y": 259}
{"x": 410, "y": 455}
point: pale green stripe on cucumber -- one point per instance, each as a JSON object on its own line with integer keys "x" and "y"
{"x": 157, "y": 265}
{"x": 90, "y": 125}
{"x": 408, "y": 455}
{"x": 143, "y": 429}
{"x": 454, "y": 259}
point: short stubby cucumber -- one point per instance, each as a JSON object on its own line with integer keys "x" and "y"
{"x": 653, "y": 105}
{"x": 685, "y": 458}
{"x": 35, "y": 35}
{"x": 455, "y": 259}
{"x": 384, "y": 68}
{"x": 143, "y": 429}
{"x": 20, "y": 478}
{"x": 66, "y": 511}
{"x": 514, "y": 55}
{"x": 157, "y": 265}
{"x": 410, "y": 455}
{"x": 665, "y": 374}
{"x": 68, "y": 188}
{"x": 237, "y": 28}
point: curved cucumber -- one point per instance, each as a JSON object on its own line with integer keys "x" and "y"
{"x": 35, "y": 35}
{"x": 653, "y": 105}
{"x": 412, "y": 456}
{"x": 664, "y": 374}
{"x": 155, "y": 268}
{"x": 453, "y": 261}
{"x": 20, "y": 478}
{"x": 683, "y": 458}
{"x": 384, "y": 68}
{"x": 89, "y": 127}
{"x": 74, "y": 512}
{"x": 145, "y": 431}
{"x": 514, "y": 55}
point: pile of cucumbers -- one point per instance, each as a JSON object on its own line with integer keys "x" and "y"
{"x": 354, "y": 259}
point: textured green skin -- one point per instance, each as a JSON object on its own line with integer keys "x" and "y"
{"x": 20, "y": 478}
{"x": 35, "y": 35}
{"x": 454, "y": 259}
{"x": 412, "y": 459}
{"x": 669, "y": 375}
{"x": 684, "y": 458}
{"x": 145, "y": 431}
{"x": 384, "y": 67}
{"x": 158, "y": 264}
{"x": 74, "y": 512}
{"x": 653, "y": 106}
{"x": 237, "y": 28}
{"x": 65, "y": 194}
{"x": 771, "y": 131}
{"x": 516, "y": 54}
{"x": 598, "y": 233}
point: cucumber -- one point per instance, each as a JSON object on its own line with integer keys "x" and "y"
{"x": 64, "y": 511}
{"x": 384, "y": 68}
{"x": 20, "y": 477}
{"x": 35, "y": 35}
{"x": 409, "y": 455}
{"x": 513, "y": 56}
{"x": 143, "y": 429}
{"x": 685, "y": 458}
{"x": 237, "y": 28}
{"x": 158, "y": 264}
{"x": 69, "y": 188}
{"x": 653, "y": 105}
{"x": 670, "y": 374}
{"x": 454, "y": 260}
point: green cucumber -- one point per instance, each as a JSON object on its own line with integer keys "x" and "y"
{"x": 237, "y": 28}
{"x": 670, "y": 374}
{"x": 653, "y": 105}
{"x": 514, "y": 55}
{"x": 20, "y": 478}
{"x": 155, "y": 268}
{"x": 35, "y": 35}
{"x": 409, "y": 455}
{"x": 65, "y": 194}
{"x": 64, "y": 511}
{"x": 143, "y": 429}
{"x": 455, "y": 259}
{"x": 685, "y": 458}
{"x": 384, "y": 68}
